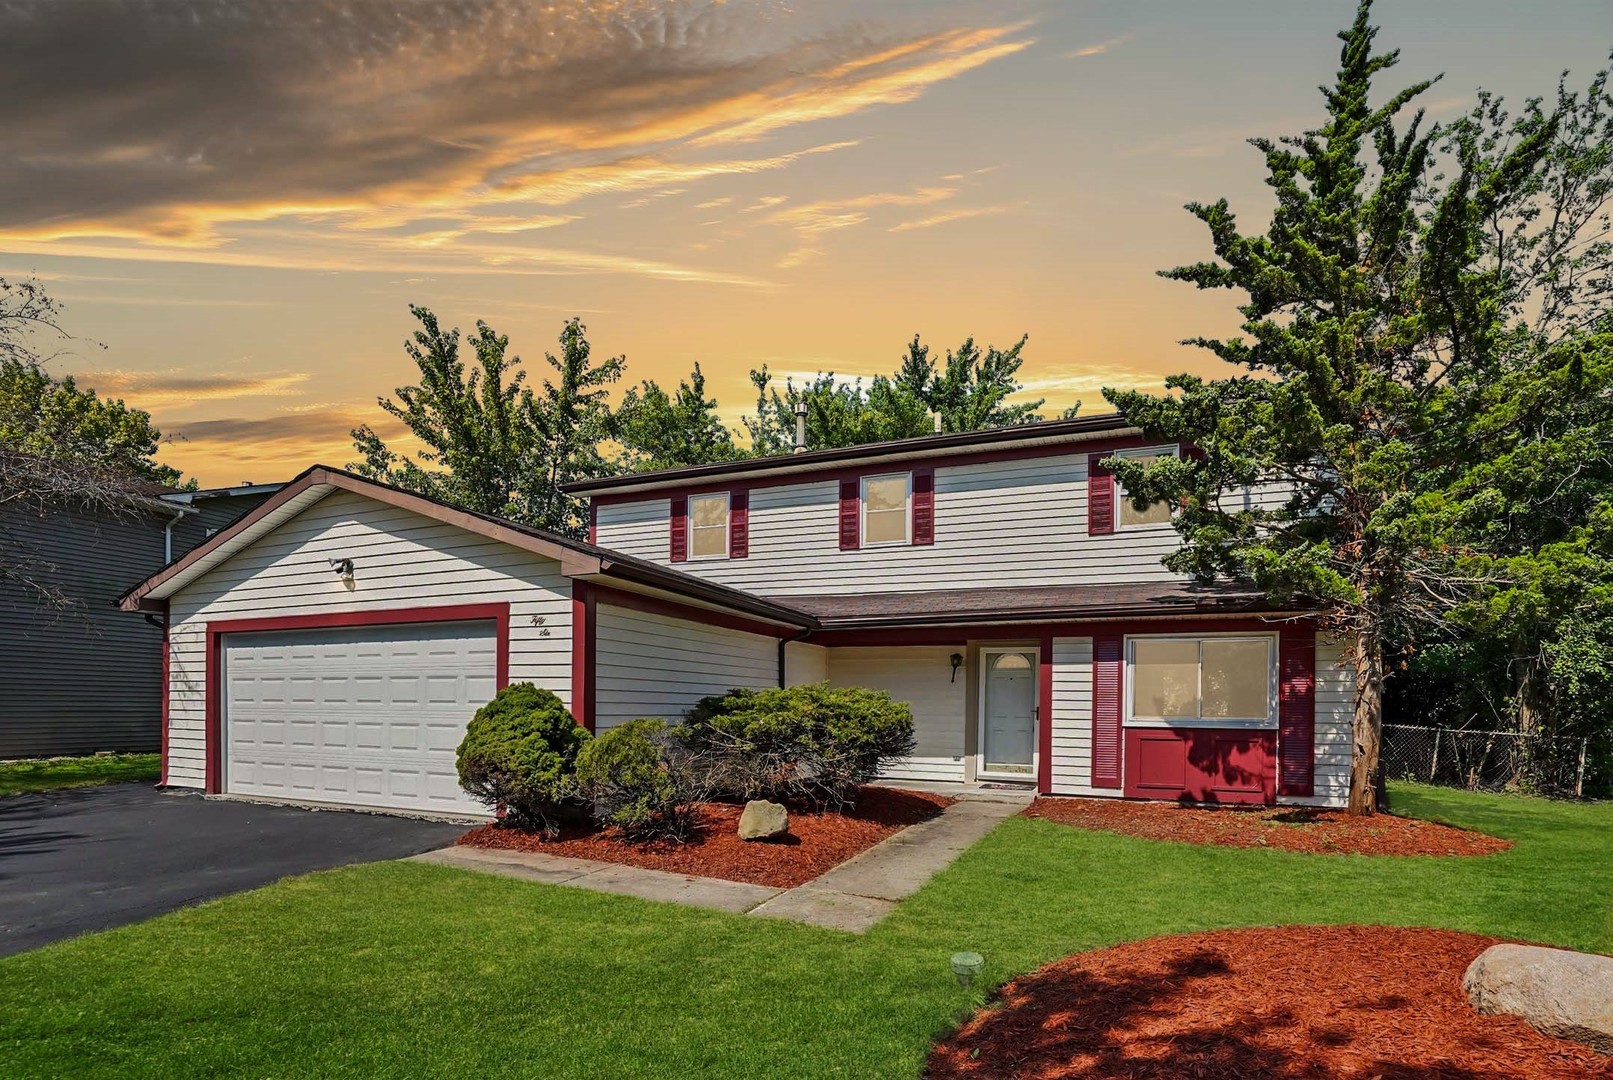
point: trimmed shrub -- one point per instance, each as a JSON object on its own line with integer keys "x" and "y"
{"x": 815, "y": 742}
{"x": 638, "y": 782}
{"x": 519, "y": 752}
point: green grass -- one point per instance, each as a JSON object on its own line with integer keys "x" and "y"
{"x": 48, "y": 774}
{"x": 409, "y": 970}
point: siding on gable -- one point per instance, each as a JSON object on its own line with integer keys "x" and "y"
{"x": 919, "y": 676}
{"x": 1335, "y": 731}
{"x": 401, "y": 560}
{"x": 1072, "y": 719}
{"x": 1024, "y": 521}
{"x": 657, "y": 665}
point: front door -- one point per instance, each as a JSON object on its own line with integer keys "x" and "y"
{"x": 1008, "y": 712}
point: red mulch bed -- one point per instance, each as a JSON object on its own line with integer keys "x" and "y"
{"x": 1290, "y": 1003}
{"x": 1291, "y": 828}
{"x": 816, "y": 841}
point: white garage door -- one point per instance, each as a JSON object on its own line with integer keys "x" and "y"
{"x": 358, "y": 716}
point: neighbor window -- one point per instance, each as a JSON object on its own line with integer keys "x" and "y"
{"x": 1127, "y": 515}
{"x": 885, "y": 508}
{"x": 708, "y": 526}
{"x": 1212, "y": 679}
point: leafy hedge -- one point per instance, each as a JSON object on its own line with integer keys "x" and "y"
{"x": 519, "y": 752}
{"x": 814, "y": 741}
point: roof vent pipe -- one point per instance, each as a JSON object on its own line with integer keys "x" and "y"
{"x": 800, "y": 427}
{"x": 935, "y": 421}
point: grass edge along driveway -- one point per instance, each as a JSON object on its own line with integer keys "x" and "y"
{"x": 400, "y": 969}
{"x": 50, "y": 774}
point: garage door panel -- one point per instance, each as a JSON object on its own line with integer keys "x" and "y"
{"x": 367, "y": 716}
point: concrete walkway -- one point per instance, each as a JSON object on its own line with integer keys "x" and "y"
{"x": 863, "y": 890}
{"x": 853, "y": 896}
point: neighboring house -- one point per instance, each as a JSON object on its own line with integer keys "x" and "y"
{"x": 87, "y": 678}
{"x": 331, "y": 645}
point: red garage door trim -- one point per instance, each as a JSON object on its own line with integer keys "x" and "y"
{"x": 499, "y": 614}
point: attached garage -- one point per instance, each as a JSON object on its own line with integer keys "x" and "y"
{"x": 354, "y": 715}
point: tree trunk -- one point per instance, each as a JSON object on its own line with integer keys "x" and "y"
{"x": 1364, "y": 765}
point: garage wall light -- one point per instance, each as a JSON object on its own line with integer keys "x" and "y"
{"x": 957, "y": 662}
{"x": 343, "y": 568}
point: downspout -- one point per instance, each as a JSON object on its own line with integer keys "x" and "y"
{"x": 783, "y": 644}
{"x": 168, "y": 537}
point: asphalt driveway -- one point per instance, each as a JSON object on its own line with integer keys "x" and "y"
{"x": 91, "y": 858}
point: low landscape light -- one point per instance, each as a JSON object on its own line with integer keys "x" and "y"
{"x": 966, "y": 965}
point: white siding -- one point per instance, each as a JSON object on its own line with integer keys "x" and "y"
{"x": 919, "y": 676}
{"x": 1335, "y": 715}
{"x": 996, "y": 523}
{"x": 401, "y": 560}
{"x": 657, "y": 665}
{"x": 1072, "y": 718}
{"x": 804, "y": 663}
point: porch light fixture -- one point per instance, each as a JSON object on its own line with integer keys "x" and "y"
{"x": 966, "y": 965}
{"x": 957, "y": 662}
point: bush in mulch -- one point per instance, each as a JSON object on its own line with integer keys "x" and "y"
{"x": 1290, "y": 828}
{"x": 1289, "y": 1003}
{"x": 518, "y": 754}
{"x": 817, "y": 841}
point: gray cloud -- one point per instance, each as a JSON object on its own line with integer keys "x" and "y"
{"x": 160, "y": 118}
{"x": 314, "y": 430}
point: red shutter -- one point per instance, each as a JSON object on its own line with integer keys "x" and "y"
{"x": 1106, "y": 684}
{"x": 738, "y": 524}
{"x": 680, "y": 528}
{"x": 848, "y": 514}
{"x": 1296, "y": 711}
{"x": 923, "y": 506}
{"x": 1100, "y": 497}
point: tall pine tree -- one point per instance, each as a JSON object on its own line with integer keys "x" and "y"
{"x": 1362, "y": 311}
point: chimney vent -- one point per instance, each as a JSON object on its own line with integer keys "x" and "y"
{"x": 800, "y": 427}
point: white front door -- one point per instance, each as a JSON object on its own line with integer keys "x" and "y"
{"x": 356, "y": 716}
{"x": 1008, "y": 712}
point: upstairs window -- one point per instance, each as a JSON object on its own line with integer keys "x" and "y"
{"x": 1128, "y": 516}
{"x": 1207, "y": 680}
{"x": 885, "y": 508}
{"x": 708, "y": 526}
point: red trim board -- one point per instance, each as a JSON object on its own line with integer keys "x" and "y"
{"x": 1044, "y": 717}
{"x": 584, "y": 648}
{"x": 498, "y": 613}
{"x": 655, "y": 605}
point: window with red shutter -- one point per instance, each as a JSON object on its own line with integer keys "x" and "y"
{"x": 680, "y": 528}
{"x": 923, "y": 506}
{"x": 850, "y": 497}
{"x": 738, "y": 524}
{"x": 1100, "y": 497}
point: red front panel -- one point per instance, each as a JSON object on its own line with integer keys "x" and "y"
{"x": 1205, "y": 765}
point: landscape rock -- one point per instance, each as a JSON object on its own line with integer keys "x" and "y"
{"x": 1560, "y": 992}
{"x": 763, "y": 820}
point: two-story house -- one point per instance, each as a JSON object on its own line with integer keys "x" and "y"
{"x": 330, "y": 646}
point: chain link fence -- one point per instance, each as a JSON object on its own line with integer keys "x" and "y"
{"x": 1491, "y": 760}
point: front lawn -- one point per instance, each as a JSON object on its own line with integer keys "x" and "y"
{"x": 47, "y": 774}
{"x": 407, "y": 970}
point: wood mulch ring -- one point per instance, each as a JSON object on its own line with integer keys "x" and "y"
{"x": 816, "y": 841}
{"x": 1287, "y": 1003}
{"x": 1289, "y": 828}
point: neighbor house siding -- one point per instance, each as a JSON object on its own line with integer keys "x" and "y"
{"x": 657, "y": 665}
{"x": 804, "y": 663}
{"x": 84, "y": 678}
{"x": 981, "y": 537}
{"x": 401, "y": 560}
{"x": 1335, "y": 714}
{"x": 1072, "y": 718}
{"x": 921, "y": 677}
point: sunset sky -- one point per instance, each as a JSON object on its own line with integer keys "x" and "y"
{"x": 238, "y": 200}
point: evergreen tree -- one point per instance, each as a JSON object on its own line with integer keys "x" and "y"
{"x": 1362, "y": 314}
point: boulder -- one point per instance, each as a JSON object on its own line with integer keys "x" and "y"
{"x": 1562, "y": 993}
{"x": 763, "y": 820}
